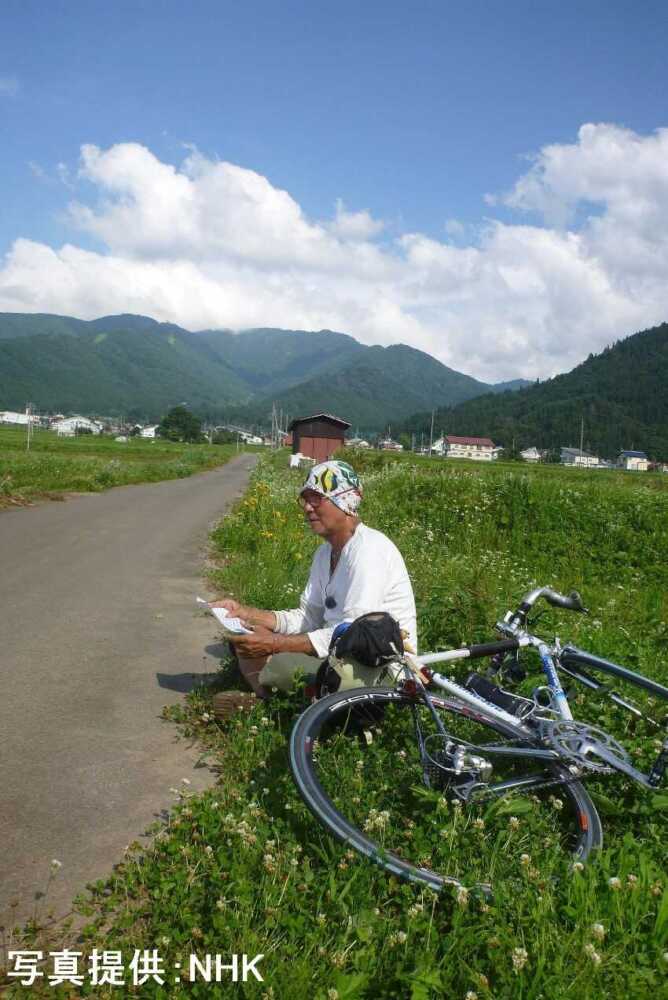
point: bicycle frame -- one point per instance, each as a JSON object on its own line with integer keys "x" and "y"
{"x": 552, "y": 658}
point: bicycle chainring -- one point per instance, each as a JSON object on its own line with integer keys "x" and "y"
{"x": 579, "y": 743}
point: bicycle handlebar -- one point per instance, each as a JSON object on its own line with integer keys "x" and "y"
{"x": 573, "y": 602}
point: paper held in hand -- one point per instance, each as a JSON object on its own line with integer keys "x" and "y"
{"x": 222, "y": 615}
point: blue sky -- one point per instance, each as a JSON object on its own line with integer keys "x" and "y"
{"x": 412, "y": 112}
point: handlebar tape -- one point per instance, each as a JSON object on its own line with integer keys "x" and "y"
{"x": 491, "y": 648}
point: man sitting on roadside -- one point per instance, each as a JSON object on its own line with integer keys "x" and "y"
{"x": 356, "y": 571}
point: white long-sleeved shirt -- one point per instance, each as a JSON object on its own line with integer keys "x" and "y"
{"x": 370, "y": 576}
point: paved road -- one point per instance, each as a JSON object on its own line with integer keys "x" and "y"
{"x": 98, "y": 630}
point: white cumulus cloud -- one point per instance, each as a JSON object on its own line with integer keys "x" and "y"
{"x": 213, "y": 244}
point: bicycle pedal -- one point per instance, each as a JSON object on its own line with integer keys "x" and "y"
{"x": 490, "y": 692}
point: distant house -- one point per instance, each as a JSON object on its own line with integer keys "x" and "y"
{"x": 532, "y": 454}
{"x": 580, "y": 459}
{"x": 149, "y": 432}
{"x": 388, "y": 444}
{"x": 634, "y": 461}
{"x": 19, "y": 419}
{"x": 318, "y": 436}
{"x": 480, "y": 449}
{"x": 69, "y": 426}
{"x": 357, "y": 443}
{"x": 439, "y": 446}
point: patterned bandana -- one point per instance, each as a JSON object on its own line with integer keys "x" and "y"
{"x": 337, "y": 481}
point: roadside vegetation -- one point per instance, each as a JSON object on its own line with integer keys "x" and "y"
{"x": 244, "y": 868}
{"x": 90, "y": 463}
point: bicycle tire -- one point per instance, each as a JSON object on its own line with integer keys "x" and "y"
{"x": 350, "y": 709}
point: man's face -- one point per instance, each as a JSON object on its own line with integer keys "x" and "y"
{"x": 323, "y": 516}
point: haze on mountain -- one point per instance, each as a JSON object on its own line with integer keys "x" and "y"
{"x": 135, "y": 366}
{"x": 620, "y": 393}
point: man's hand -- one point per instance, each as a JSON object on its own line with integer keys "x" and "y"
{"x": 259, "y": 644}
{"x": 234, "y": 607}
{"x": 252, "y": 616}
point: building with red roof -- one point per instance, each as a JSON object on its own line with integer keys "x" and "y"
{"x": 481, "y": 449}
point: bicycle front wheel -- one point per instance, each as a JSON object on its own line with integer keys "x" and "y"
{"x": 358, "y": 765}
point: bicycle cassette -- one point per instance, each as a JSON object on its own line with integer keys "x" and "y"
{"x": 582, "y": 744}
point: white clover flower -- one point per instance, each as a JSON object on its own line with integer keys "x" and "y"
{"x": 165, "y": 941}
{"x": 520, "y": 958}
{"x": 598, "y": 931}
{"x": 471, "y": 995}
{"x": 185, "y": 781}
{"x": 578, "y": 866}
{"x": 615, "y": 883}
{"x": 479, "y": 823}
{"x": 514, "y": 823}
{"x": 332, "y": 994}
{"x": 525, "y": 859}
{"x": 591, "y": 953}
{"x": 462, "y": 897}
{"x": 220, "y": 904}
{"x": 56, "y": 864}
{"x": 631, "y": 881}
{"x": 208, "y": 849}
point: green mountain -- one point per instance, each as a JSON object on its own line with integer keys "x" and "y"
{"x": 135, "y": 366}
{"x": 620, "y": 393}
{"x": 138, "y": 372}
{"x": 375, "y": 387}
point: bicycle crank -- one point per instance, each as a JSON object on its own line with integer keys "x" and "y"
{"x": 586, "y": 746}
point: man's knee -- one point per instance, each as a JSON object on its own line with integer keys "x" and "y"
{"x": 282, "y": 668}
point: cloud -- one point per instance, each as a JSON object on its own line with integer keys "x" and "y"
{"x": 212, "y": 244}
{"x": 355, "y": 225}
{"x": 9, "y": 86}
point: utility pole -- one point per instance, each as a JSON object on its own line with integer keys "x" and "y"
{"x": 431, "y": 433}
{"x": 29, "y": 409}
{"x": 582, "y": 427}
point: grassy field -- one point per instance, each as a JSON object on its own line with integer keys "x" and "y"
{"x": 54, "y": 466}
{"x": 244, "y": 868}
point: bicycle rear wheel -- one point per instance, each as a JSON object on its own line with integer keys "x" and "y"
{"x": 356, "y": 761}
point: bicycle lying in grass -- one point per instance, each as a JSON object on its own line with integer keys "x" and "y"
{"x": 461, "y": 785}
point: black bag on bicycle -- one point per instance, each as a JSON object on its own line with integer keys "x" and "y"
{"x": 373, "y": 639}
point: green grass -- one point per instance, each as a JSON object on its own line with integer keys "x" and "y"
{"x": 244, "y": 868}
{"x": 54, "y": 465}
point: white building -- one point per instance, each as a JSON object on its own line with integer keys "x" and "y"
{"x": 387, "y": 444}
{"x": 18, "y": 419}
{"x": 357, "y": 443}
{"x": 480, "y": 449}
{"x": 580, "y": 459}
{"x": 634, "y": 461}
{"x": 149, "y": 432}
{"x": 532, "y": 454}
{"x": 69, "y": 426}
